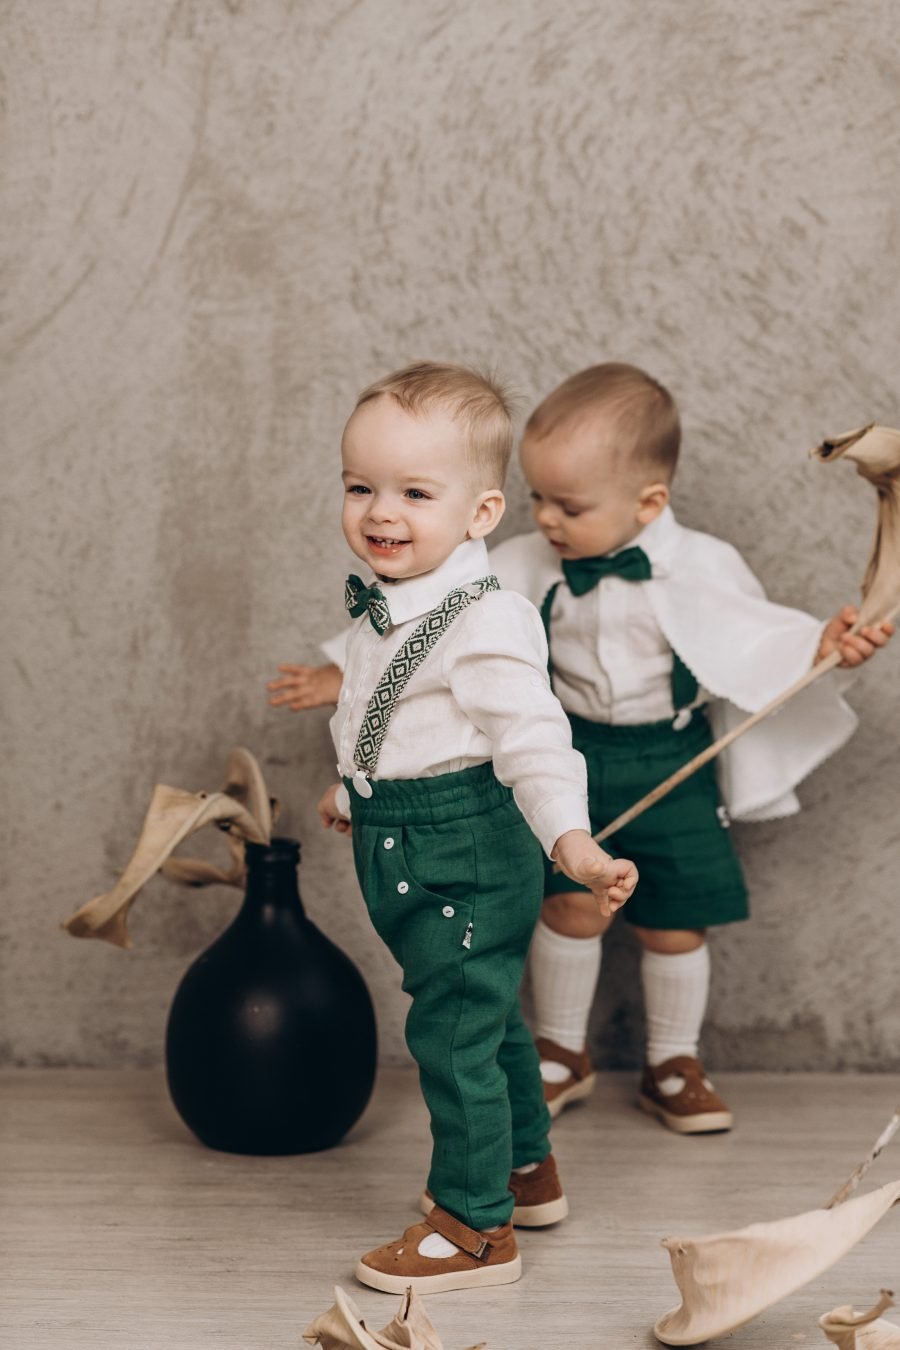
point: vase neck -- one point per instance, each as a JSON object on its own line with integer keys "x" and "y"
{"x": 272, "y": 876}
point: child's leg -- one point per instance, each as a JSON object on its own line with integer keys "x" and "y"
{"x": 564, "y": 964}
{"x": 529, "y": 1118}
{"x": 675, "y": 976}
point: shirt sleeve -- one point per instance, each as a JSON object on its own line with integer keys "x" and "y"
{"x": 495, "y": 664}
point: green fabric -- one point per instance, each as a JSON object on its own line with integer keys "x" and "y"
{"x": 459, "y": 842}
{"x": 684, "y": 684}
{"x": 583, "y": 574}
{"x": 359, "y": 598}
{"x": 690, "y": 876}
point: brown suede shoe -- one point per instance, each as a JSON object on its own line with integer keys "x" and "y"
{"x": 539, "y": 1196}
{"x": 696, "y": 1108}
{"x": 581, "y": 1079}
{"x": 483, "y": 1258}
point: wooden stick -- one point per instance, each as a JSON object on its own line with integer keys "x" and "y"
{"x": 860, "y": 1170}
{"x": 664, "y": 788}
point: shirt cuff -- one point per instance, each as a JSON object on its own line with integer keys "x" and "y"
{"x": 558, "y": 815}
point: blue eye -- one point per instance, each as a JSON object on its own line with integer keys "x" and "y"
{"x": 358, "y": 489}
{"x": 416, "y": 495}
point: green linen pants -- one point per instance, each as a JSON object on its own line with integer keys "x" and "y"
{"x": 453, "y": 879}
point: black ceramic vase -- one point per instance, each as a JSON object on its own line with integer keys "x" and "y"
{"x": 270, "y": 1044}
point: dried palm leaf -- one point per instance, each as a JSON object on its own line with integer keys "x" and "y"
{"x": 727, "y": 1279}
{"x": 342, "y": 1328}
{"x": 850, "y": 1330}
{"x": 242, "y": 808}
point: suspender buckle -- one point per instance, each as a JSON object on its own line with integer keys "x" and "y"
{"x": 361, "y": 784}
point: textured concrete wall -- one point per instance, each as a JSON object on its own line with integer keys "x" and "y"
{"x": 221, "y": 220}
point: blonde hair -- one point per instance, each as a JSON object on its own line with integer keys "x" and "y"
{"x": 648, "y": 429}
{"x": 474, "y": 400}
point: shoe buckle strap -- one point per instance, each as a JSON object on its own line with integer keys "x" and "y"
{"x": 471, "y": 1241}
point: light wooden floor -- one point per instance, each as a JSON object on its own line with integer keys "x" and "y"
{"x": 120, "y": 1232}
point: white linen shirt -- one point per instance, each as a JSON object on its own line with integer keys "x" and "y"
{"x": 482, "y": 694}
{"x": 611, "y": 660}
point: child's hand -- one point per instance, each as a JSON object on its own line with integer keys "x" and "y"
{"x": 611, "y": 879}
{"x": 331, "y": 811}
{"x": 855, "y": 648}
{"x": 306, "y": 687}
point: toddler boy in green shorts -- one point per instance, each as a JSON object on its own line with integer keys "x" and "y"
{"x": 660, "y": 637}
{"x": 457, "y": 766}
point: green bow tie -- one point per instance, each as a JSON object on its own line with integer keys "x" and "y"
{"x": 358, "y": 598}
{"x": 582, "y": 574}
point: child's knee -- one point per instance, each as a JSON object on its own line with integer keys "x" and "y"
{"x": 574, "y": 914}
{"x": 671, "y": 941}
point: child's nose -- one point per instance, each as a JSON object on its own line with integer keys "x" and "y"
{"x": 381, "y": 509}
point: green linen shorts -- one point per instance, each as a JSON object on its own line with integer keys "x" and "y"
{"x": 453, "y": 878}
{"x": 690, "y": 876}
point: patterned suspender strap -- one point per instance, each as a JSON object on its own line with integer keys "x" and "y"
{"x": 405, "y": 664}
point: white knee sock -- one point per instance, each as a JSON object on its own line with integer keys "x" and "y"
{"x": 563, "y": 979}
{"x": 675, "y": 993}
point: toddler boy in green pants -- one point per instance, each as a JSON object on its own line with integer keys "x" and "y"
{"x": 458, "y": 765}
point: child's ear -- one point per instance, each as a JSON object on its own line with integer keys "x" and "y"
{"x": 488, "y": 512}
{"x": 652, "y": 501}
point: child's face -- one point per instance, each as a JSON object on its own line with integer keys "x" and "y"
{"x": 410, "y": 495}
{"x": 581, "y": 503}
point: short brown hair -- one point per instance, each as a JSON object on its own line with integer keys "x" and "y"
{"x": 476, "y": 401}
{"x": 645, "y": 413}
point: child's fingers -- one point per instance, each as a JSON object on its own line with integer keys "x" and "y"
{"x": 855, "y": 649}
{"x": 879, "y": 637}
{"x": 293, "y": 670}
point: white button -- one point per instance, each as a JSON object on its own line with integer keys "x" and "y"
{"x": 402, "y": 887}
{"x": 362, "y": 785}
{"x": 389, "y": 843}
{"x": 682, "y": 719}
{"x": 448, "y": 911}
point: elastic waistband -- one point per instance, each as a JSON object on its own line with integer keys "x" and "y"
{"x": 429, "y": 801}
{"x": 643, "y": 735}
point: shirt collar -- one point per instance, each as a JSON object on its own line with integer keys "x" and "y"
{"x": 657, "y": 540}
{"x": 414, "y": 596}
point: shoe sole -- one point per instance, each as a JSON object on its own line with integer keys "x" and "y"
{"x": 523, "y": 1216}
{"x": 710, "y": 1122}
{"x": 576, "y": 1093}
{"x": 506, "y": 1273}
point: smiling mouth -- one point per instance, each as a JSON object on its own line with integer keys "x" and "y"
{"x": 381, "y": 542}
